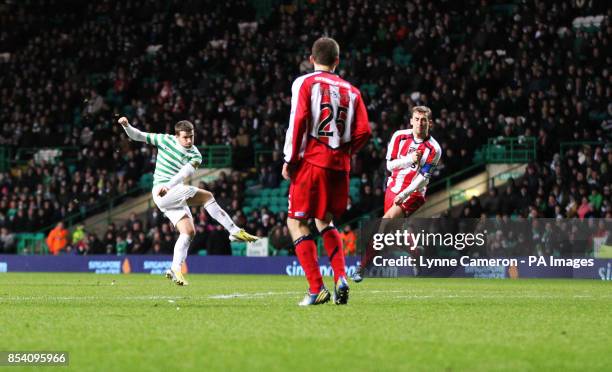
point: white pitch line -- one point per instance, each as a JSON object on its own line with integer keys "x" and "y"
{"x": 410, "y": 294}
{"x": 485, "y": 296}
{"x": 249, "y": 295}
{"x": 144, "y": 298}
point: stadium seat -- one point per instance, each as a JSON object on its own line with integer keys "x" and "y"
{"x": 400, "y": 57}
{"x": 504, "y": 9}
{"x": 146, "y": 181}
{"x": 252, "y": 201}
{"x": 238, "y": 248}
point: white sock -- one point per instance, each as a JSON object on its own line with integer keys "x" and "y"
{"x": 221, "y": 216}
{"x": 185, "y": 252}
{"x": 181, "y": 248}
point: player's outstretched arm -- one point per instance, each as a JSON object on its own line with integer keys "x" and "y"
{"x": 132, "y": 132}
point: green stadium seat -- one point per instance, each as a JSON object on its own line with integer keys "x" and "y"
{"x": 146, "y": 181}
{"x": 282, "y": 252}
{"x": 238, "y": 248}
{"x": 401, "y": 57}
{"x": 504, "y": 9}
{"x": 128, "y": 110}
{"x": 479, "y": 156}
{"x": 266, "y": 201}
{"x": 371, "y": 89}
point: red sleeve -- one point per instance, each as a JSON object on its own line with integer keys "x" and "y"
{"x": 434, "y": 155}
{"x": 393, "y": 147}
{"x": 361, "y": 130}
{"x": 435, "y": 152}
{"x": 298, "y": 121}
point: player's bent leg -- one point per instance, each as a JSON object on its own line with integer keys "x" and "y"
{"x": 186, "y": 228}
{"x": 306, "y": 251}
{"x": 181, "y": 249}
{"x": 206, "y": 198}
{"x": 333, "y": 246}
{"x": 201, "y": 197}
{"x": 414, "y": 202}
{"x": 394, "y": 211}
{"x": 297, "y": 228}
{"x": 324, "y": 223}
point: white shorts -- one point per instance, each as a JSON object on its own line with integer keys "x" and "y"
{"x": 174, "y": 203}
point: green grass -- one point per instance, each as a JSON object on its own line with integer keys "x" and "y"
{"x": 389, "y": 324}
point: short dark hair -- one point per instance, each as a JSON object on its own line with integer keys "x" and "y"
{"x": 325, "y": 51}
{"x": 183, "y": 126}
{"x": 423, "y": 110}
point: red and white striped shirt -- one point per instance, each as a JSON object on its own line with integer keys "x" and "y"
{"x": 403, "y": 145}
{"x": 328, "y": 122}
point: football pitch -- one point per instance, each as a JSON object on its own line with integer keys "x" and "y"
{"x": 142, "y": 322}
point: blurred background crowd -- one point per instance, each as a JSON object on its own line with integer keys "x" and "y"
{"x": 487, "y": 69}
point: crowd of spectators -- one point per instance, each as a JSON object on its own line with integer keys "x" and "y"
{"x": 577, "y": 186}
{"x": 69, "y": 68}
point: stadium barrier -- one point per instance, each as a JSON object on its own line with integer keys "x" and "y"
{"x": 216, "y": 156}
{"x": 510, "y": 150}
{"x": 287, "y": 265}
